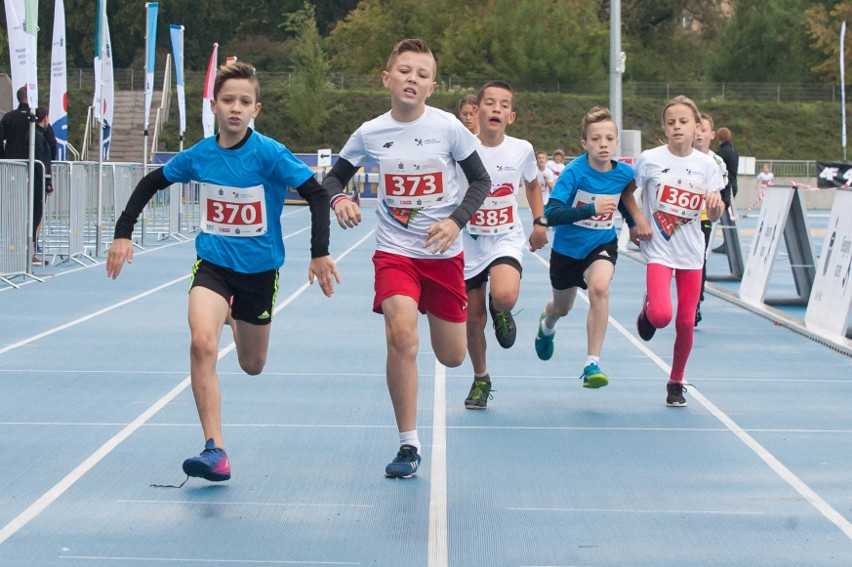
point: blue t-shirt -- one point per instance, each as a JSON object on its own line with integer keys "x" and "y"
{"x": 258, "y": 161}
{"x": 575, "y": 240}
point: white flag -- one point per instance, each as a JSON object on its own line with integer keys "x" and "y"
{"x": 59, "y": 83}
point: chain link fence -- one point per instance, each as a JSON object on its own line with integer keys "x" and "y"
{"x": 134, "y": 79}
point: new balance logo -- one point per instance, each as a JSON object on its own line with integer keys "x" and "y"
{"x": 387, "y": 144}
{"x": 264, "y": 315}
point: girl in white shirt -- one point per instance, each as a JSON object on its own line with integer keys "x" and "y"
{"x": 677, "y": 182}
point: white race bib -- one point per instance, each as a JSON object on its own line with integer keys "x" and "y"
{"x": 412, "y": 184}
{"x": 596, "y": 222}
{"x": 495, "y": 216}
{"x": 233, "y": 211}
{"x": 683, "y": 202}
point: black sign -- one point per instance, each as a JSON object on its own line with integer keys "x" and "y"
{"x": 834, "y": 174}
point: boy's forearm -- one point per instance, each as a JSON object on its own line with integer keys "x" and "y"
{"x": 478, "y": 188}
{"x": 318, "y": 201}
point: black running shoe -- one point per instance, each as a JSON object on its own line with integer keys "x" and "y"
{"x": 698, "y": 316}
{"x": 675, "y": 397}
{"x": 504, "y": 325}
{"x": 644, "y": 327}
{"x": 480, "y": 393}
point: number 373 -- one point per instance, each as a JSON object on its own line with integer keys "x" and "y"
{"x": 413, "y": 185}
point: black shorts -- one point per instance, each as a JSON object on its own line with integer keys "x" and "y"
{"x": 567, "y": 272}
{"x": 251, "y": 296}
{"x": 479, "y": 279}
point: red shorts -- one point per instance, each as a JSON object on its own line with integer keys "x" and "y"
{"x": 436, "y": 285}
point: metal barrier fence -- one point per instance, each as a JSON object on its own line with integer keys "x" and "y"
{"x": 14, "y": 224}
{"x": 79, "y": 220}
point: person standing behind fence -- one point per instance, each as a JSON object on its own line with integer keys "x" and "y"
{"x": 15, "y": 130}
{"x": 419, "y": 264}
{"x": 243, "y": 176}
{"x": 42, "y": 183}
{"x": 676, "y": 181}
{"x": 731, "y": 157}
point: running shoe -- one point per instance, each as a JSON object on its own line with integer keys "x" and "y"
{"x": 504, "y": 325}
{"x": 675, "y": 397}
{"x": 543, "y": 343}
{"x": 593, "y": 377}
{"x": 405, "y": 464}
{"x": 644, "y": 327}
{"x": 698, "y": 316}
{"x": 480, "y": 393}
{"x": 212, "y": 464}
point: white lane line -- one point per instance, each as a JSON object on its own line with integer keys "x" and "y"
{"x": 640, "y": 511}
{"x": 438, "y": 550}
{"x": 63, "y": 485}
{"x": 197, "y": 560}
{"x": 777, "y": 466}
{"x": 239, "y": 503}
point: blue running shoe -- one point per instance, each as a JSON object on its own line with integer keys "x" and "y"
{"x": 593, "y": 377}
{"x": 543, "y": 343}
{"x": 212, "y": 464}
{"x": 405, "y": 464}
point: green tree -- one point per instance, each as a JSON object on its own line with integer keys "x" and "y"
{"x": 823, "y": 24}
{"x": 764, "y": 42}
{"x": 307, "y": 100}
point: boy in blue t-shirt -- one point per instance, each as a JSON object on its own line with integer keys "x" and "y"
{"x": 243, "y": 177}
{"x": 585, "y": 245}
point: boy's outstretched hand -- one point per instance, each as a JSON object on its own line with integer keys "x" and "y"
{"x": 120, "y": 251}
{"x": 325, "y": 272}
{"x": 348, "y": 213}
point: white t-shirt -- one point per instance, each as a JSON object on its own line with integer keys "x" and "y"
{"x": 417, "y": 158}
{"x": 554, "y": 167}
{"x": 673, "y": 191}
{"x": 507, "y": 164}
{"x": 765, "y": 178}
{"x": 546, "y": 179}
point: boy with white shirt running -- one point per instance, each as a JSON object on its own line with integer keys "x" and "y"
{"x": 418, "y": 261}
{"x": 494, "y": 238}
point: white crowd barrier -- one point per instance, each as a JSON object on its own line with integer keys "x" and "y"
{"x": 78, "y": 223}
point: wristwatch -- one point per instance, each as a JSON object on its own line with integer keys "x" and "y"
{"x": 540, "y": 221}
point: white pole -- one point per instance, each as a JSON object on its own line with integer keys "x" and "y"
{"x": 843, "y": 89}
{"x": 616, "y": 64}
{"x": 102, "y": 52}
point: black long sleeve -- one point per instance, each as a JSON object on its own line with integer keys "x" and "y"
{"x": 478, "y": 188}
{"x": 145, "y": 189}
{"x": 339, "y": 176}
{"x": 318, "y": 199}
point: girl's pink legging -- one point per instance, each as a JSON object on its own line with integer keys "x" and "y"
{"x": 658, "y": 280}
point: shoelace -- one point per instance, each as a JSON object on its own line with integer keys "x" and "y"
{"x": 479, "y": 391}
{"x": 502, "y": 322}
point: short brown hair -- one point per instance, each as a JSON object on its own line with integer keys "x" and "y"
{"x": 724, "y": 135}
{"x": 593, "y": 116}
{"x": 406, "y": 45}
{"x": 468, "y": 99}
{"x": 708, "y": 118}
{"x": 22, "y": 94}
{"x": 496, "y": 84}
{"x": 236, "y": 70}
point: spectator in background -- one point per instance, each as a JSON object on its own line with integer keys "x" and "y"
{"x": 42, "y": 183}
{"x": 557, "y": 163}
{"x": 731, "y": 157}
{"x": 47, "y": 130}
{"x": 545, "y": 177}
{"x": 15, "y": 130}
{"x": 765, "y": 178}
{"x": 469, "y": 113}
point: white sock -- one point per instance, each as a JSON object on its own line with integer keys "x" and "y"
{"x": 409, "y": 438}
{"x": 592, "y": 359}
{"x": 481, "y": 375}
